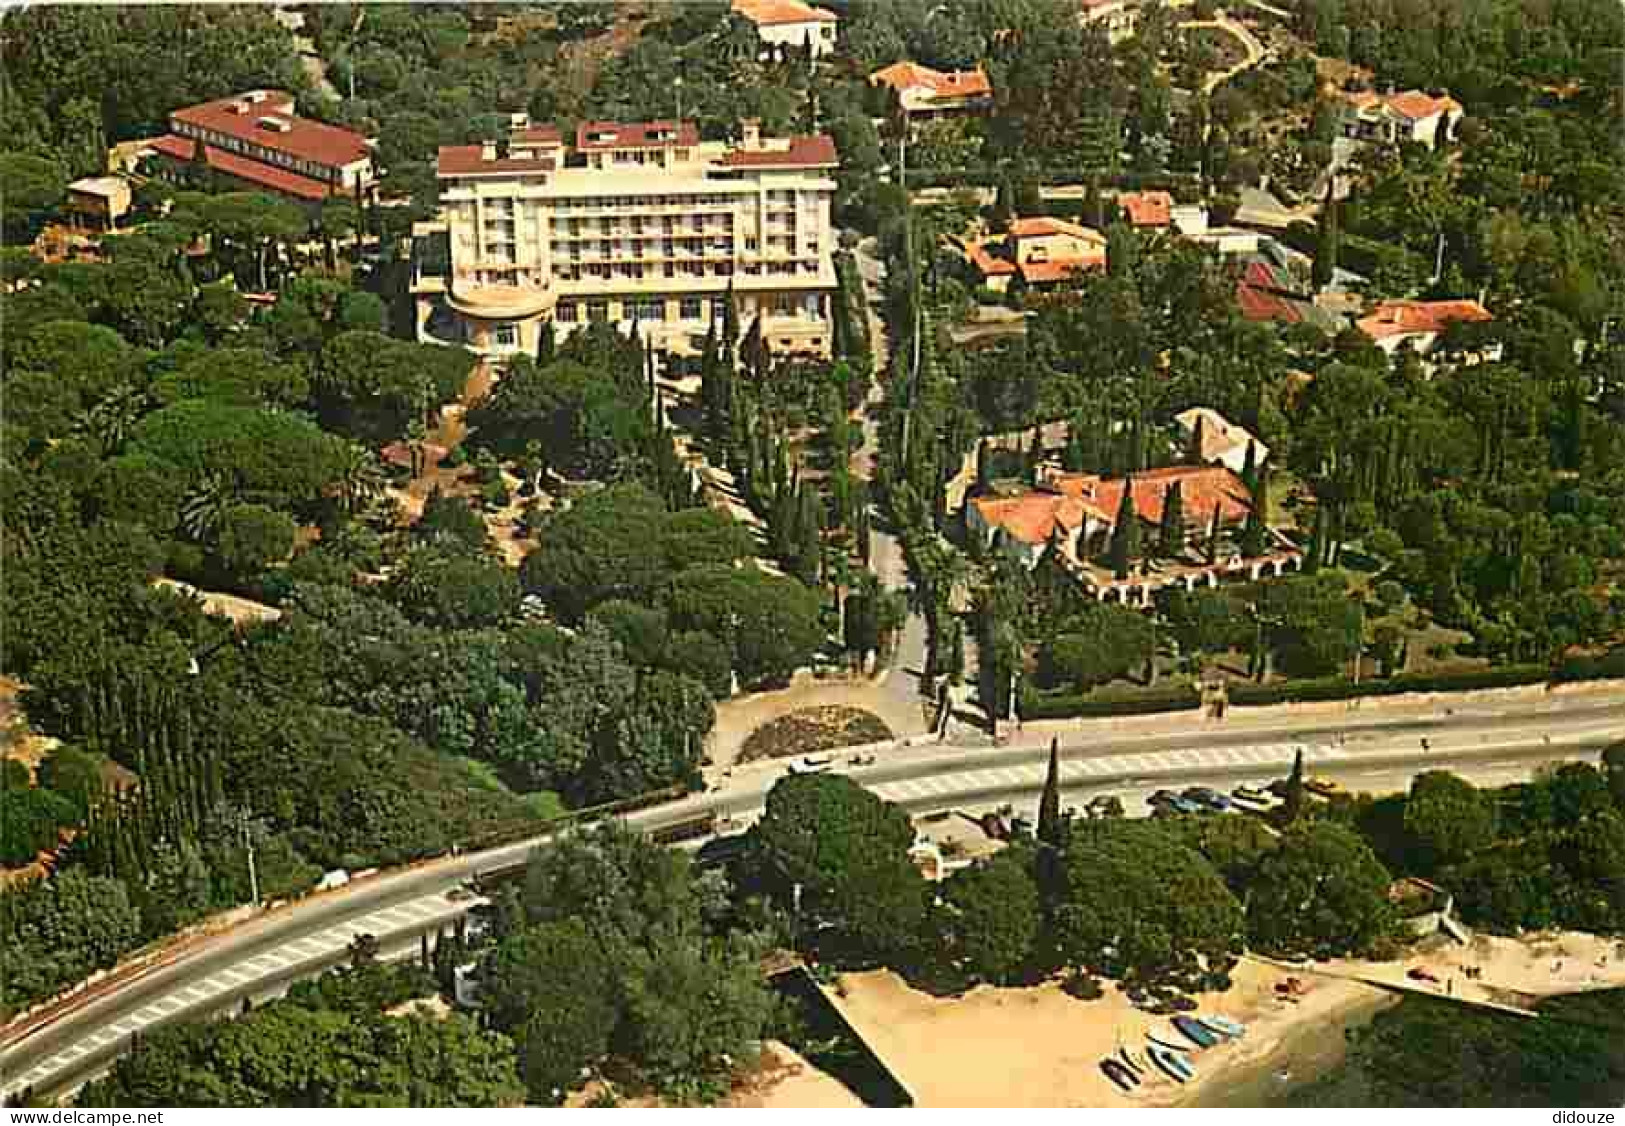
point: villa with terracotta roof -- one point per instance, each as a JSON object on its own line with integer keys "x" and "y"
{"x": 633, "y": 223}
{"x": 1074, "y": 514}
{"x": 1038, "y": 252}
{"x": 1147, "y": 209}
{"x": 785, "y": 24}
{"x": 924, "y": 93}
{"x": 257, "y": 140}
{"x": 1420, "y": 324}
{"x": 1414, "y": 116}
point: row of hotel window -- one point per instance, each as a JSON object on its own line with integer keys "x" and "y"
{"x": 776, "y": 197}
{"x": 260, "y": 153}
{"x": 633, "y": 271}
{"x": 688, "y": 308}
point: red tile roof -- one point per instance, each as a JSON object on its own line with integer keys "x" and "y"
{"x": 1147, "y": 209}
{"x": 903, "y": 76}
{"x": 1200, "y": 487}
{"x": 638, "y": 135}
{"x": 297, "y": 136}
{"x": 1417, "y": 106}
{"x": 1396, "y": 318}
{"x": 538, "y": 135}
{"x": 769, "y": 12}
{"x": 1039, "y": 225}
{"x": 1413, "y": 105}
{"x": 469, "y": 160}
{"x": 243, "y": 168}
{"x": 1071, "y": 499}
{"x": 802, "y": 152}
{"x": 1059, "y": 269}
{"x": 990, "y": 265}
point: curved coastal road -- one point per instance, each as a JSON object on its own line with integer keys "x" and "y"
{"x": 1487, "y": 736}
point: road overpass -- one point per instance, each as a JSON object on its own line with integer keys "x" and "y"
{"x": 1489, "y": 737}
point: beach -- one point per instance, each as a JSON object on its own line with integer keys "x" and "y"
{"x": 1038, "y": 1047}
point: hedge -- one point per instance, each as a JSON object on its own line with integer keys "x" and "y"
{"x": 1044, "y": 705}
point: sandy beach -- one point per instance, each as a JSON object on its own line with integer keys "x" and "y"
{"x": 1038, "y": 1047}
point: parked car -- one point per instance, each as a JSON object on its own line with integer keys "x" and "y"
{"x": 1325, "y": 787}
{"x": 1207, "y": 798}
{"x": 1104, "y": 805}
{"x": 1162, "y": 797}
{"x": 1252, "y": 794}
{"x": 810, "y": 764}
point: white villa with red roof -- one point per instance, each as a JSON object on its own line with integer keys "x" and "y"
{"x": 923, "y": 92}
{"x": 1039, "y": 252}
{"x": 629, "y": 223}
{"x": 1420, "y": 324}
{"x": 258, "y": 140}
{"x": 1423, "y": 118}
{"x": 790, "y": 24}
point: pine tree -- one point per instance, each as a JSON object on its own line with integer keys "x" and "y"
{"x": 1198, "y": 439}
{"x": 1255, "y": 536}
{"x": 1049, "y": 805}
{"x": 1125, "y": 542}
{"x": 1171, "y": 535}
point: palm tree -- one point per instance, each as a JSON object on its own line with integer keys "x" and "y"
{"x": 109, "y": 422}
{"x": 360, "y": 479}
{"x": 205, "y": 508}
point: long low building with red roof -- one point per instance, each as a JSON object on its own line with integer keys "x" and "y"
{"x": 640, "y": 223}
{"x": 257, "y": 140}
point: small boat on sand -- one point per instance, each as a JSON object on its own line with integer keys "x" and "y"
{"x": 1197, "y": 1033}
{"x": 1167, "y": 1041}
{"x": 1176, "y": 1066}
{"x": 1224, "y": 1026}
{"x": 1119, "y": 1074}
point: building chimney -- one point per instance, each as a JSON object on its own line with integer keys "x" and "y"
{"x": 750, "y": 133}
{"x": 488, "y": 151}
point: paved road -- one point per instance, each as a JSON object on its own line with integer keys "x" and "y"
{"x": 1488, "y": 736}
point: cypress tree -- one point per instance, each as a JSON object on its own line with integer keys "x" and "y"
{"x": 1255, "y": 536}
{"x": 547, "y": 343}
{"x": 1171, "y": 535}
{"x": 1326, "y": 249}
{"x": 1049, "y": 805}
{"x": 810, "y": 536}
{"x": 1125, "y": 542}
{"x": 1213, "y": 536}
{"x": 1249, "y": 467}
{"x": 1293, "y": 807}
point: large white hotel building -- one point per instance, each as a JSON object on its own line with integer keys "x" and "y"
{"x": 643, "y": 223}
